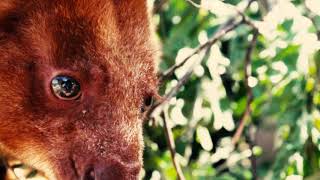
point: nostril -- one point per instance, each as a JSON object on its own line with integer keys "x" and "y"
{"x": 89, "y": 174}
{"x": 109, "y": 172}
{"x": 117, "y": 170}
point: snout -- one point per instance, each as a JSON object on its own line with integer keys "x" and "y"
{"x": 114, "y": 170}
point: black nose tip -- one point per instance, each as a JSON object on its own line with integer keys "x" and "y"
{"x": 89, "y": 174}
{"x": 104, "y": 173}
{"x": 112, "y": 171}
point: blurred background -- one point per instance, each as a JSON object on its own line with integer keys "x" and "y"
{"x": 248, "y": 106}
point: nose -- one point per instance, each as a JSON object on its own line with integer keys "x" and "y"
{"x": 113, "y": 171}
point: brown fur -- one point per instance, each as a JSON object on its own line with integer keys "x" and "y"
{"x": 106, "y": 46}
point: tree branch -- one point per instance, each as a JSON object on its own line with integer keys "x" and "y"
{"x": 230, "y": 25}
{"x": 312, "y": 17}
{"x": 171, "y": 144}
{"x": 251, "y": 141}
{"x": 158, "y": 6}
{"x": 223, "y": 30}
{"x": 247, "y": 113}
{"x": 169, "y": 95}
{"x": 315, "y": 26}
{"x": 247, "y": 74}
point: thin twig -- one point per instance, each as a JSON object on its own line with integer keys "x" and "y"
{"x": 248, "y": 5}
{"x": 223, "y": 31}
{"x": 312, "y": 17}
{"x": 159, "y": 6}
{"x": 315, "y": 26}
{"x": 169, "y": 95}
{"x": 245, "y": 18}
{"x": 251, "y": 141}
{"x": 247, "y": 113}
{"x": 241, "y": 126}
{"x": 230, "y": 25}
{"x": 172, "y": 147}
{"x": 194, "y": 4}
{"x": 247, "y": 72}
{"x": 187, "y": 76}
{"x": 173, "y": 92}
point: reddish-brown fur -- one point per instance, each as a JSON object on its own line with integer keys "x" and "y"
{"x": 106, "y": 46}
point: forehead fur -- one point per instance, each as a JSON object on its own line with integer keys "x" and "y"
{"x": 109, "y": 39}
{"x": 90, "y": 7}
{"x": 73, "y": 32}
{"x": 114, "y": 21}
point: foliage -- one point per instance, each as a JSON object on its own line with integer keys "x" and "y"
{"x": 281, "y": 132}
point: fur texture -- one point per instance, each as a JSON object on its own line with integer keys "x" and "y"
{"x": 106, "y": 46}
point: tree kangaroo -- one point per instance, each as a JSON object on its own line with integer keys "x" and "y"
{"x": 75, "y": 77}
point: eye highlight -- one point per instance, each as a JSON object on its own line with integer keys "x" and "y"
{"x": 65, "y": 87}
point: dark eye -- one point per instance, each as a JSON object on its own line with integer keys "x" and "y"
{"x": 65, "y": 87}
{"x": 147, "y": 102}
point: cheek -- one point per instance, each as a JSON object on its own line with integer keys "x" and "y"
{"x": 29, "y": 152}
{"x": 20, "y": 139}
{"x": 17, "y": 121}
{"x": 14, "y": 91}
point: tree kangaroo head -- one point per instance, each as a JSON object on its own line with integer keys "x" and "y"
{"x": 75, "y": 76}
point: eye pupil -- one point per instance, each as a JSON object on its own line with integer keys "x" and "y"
{"x": 68, "y": 85}
{"x": 65, "y": 87}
